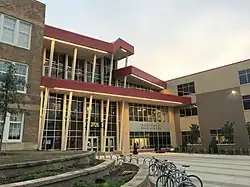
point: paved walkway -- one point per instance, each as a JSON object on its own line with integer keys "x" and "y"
{"x": 214, "y": 170}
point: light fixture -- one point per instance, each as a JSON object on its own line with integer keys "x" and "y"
{"x": 233, "y": 92}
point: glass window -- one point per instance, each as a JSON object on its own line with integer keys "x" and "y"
{"x": 15, "y": 126}
{"x": 21, "y": 73}
{"x": 190, "y": 110}
{"x": 246, "y": 102}
{"x": 244, "y": 76}
{"x": 15, "y": 32}
{"x": 186, "y": 89}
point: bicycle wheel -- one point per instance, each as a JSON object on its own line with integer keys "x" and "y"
{"x": 196, "y": 180}
{"x": 152, "y": 169}
{"x": 186, "y": 183}
{"x": 164, "y": 181}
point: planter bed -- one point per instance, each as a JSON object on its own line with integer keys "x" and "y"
{"x": 117, "y": 177}
{"x": 49, "y": 172}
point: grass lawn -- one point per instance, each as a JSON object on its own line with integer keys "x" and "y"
{"x": 10, "y": 157}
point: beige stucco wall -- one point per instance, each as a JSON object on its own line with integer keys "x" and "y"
{"x": 214, "y": 80}
{"x": 185, "y": 122}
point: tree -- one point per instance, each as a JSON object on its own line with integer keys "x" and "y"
{"x": 228, "y": 131}
{"x": 194, "y": 133}
{"x": 10, "y": 100}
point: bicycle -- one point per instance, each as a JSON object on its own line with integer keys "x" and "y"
{"x": 178, "y": 178}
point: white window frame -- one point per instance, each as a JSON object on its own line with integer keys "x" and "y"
{"x": 5, "y": 135}
{"x": 26, "y": 77}
{"x": 16, "y": 31}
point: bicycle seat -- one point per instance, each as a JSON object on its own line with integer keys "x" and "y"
{"x": 185, "y": 166}
{"x": 165, "y": 160}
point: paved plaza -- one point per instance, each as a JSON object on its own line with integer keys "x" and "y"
{"x": 214, "y": 170}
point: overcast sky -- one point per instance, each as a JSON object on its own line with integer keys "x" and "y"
{"x": 172, "y": 38}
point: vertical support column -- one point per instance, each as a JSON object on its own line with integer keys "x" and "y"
{"x": 66, "y": 66}
{"x": 64, "y": 121}
{"x": 175, "y": 134}
{"x": 46, "y": 95}
{"x": 84, "y": 124}
{"x": 85, "y": 70}
{"x": 122, "y": 124}
{"x": 40, "y": 116}
{"x": 125, "y": 78}
{"x": 117, "y": 128}
{"x": 102, "y": 70}
{"x": 74, "y": 64}
{"x": 67, "y": 121}
{"x": 102, "y": 124}
{"x": 106, "y": 125}
{"x": 88, "y": 122}
{"x": 44, "y": 61}
{"x": 52, "y": 49}
{"x": 93, "y": 70}
{"x": 125, "y": 128}
{"x": 111, "y": 69}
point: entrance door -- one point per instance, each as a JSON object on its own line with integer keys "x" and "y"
{"x": 93, "y": 144}
{"x": 110, "y": 144}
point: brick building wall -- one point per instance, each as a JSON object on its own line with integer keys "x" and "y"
{"x": 32, "y": 12}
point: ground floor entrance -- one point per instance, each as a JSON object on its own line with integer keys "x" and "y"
{"x": 93, "y": 143}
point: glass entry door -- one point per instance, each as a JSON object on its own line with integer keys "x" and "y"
{"x": 110, "y": 144}
{"x": 93, "y": 143}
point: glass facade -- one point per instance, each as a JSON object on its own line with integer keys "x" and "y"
{"x": 53, "y": 122}
{"x": 149, "y": 126}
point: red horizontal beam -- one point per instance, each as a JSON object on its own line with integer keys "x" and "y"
{"x": 50, "y": 82}
{"x": 142, "y": 74}
{"x": 82, "y": 40}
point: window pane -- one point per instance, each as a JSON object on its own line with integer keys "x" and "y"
{"x": 242, "y": 72}
{"x": 24, "y": 28}
{"x": 8, "y": 35}
{"x": 188, "y": 111}
{"x": 194, "y": 111}
{"x": 246, "y": 104}
{"x": 243, "y": 79}
{"x": 23, "y": 40}
{"x": 9, "y": 29}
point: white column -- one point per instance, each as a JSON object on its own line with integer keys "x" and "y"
{"x": 66, "y": 66}
{"x": 74, "y": 64}
{"x": 93, "y": 70}
{"x": 125, "y": 78}
{"x": 117, "y": 127}
{"x": 106, "y": 125}
{"x": 40, "y": 117}
{"x": 88, "y": 122}
{"x": 111, "y": 69}
{"x": 85, "y": 70}
{"x": 52, "y": 48}
{"x": 44, "y": 61}
{"x": 122, "y": 123}
{"x": 45, "y": 103}
{"x": 67, "y": 121}
{"x": 102, "y": 70}
{"x": 84, "y": 124}
{"x": 64, "y": 121}
{"x": 102, "y": 123}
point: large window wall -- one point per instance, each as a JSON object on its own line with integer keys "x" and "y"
{"x": 150, "y": 140}
{"x": 147, "y": 113}
{"x": 59, "y": 68}
{"x": 136, "y": 86}
{"x": 149, "y": 126}
{"x": 53, "y": 123}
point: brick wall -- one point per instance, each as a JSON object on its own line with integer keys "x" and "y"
{"x": 33, "y": 12}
